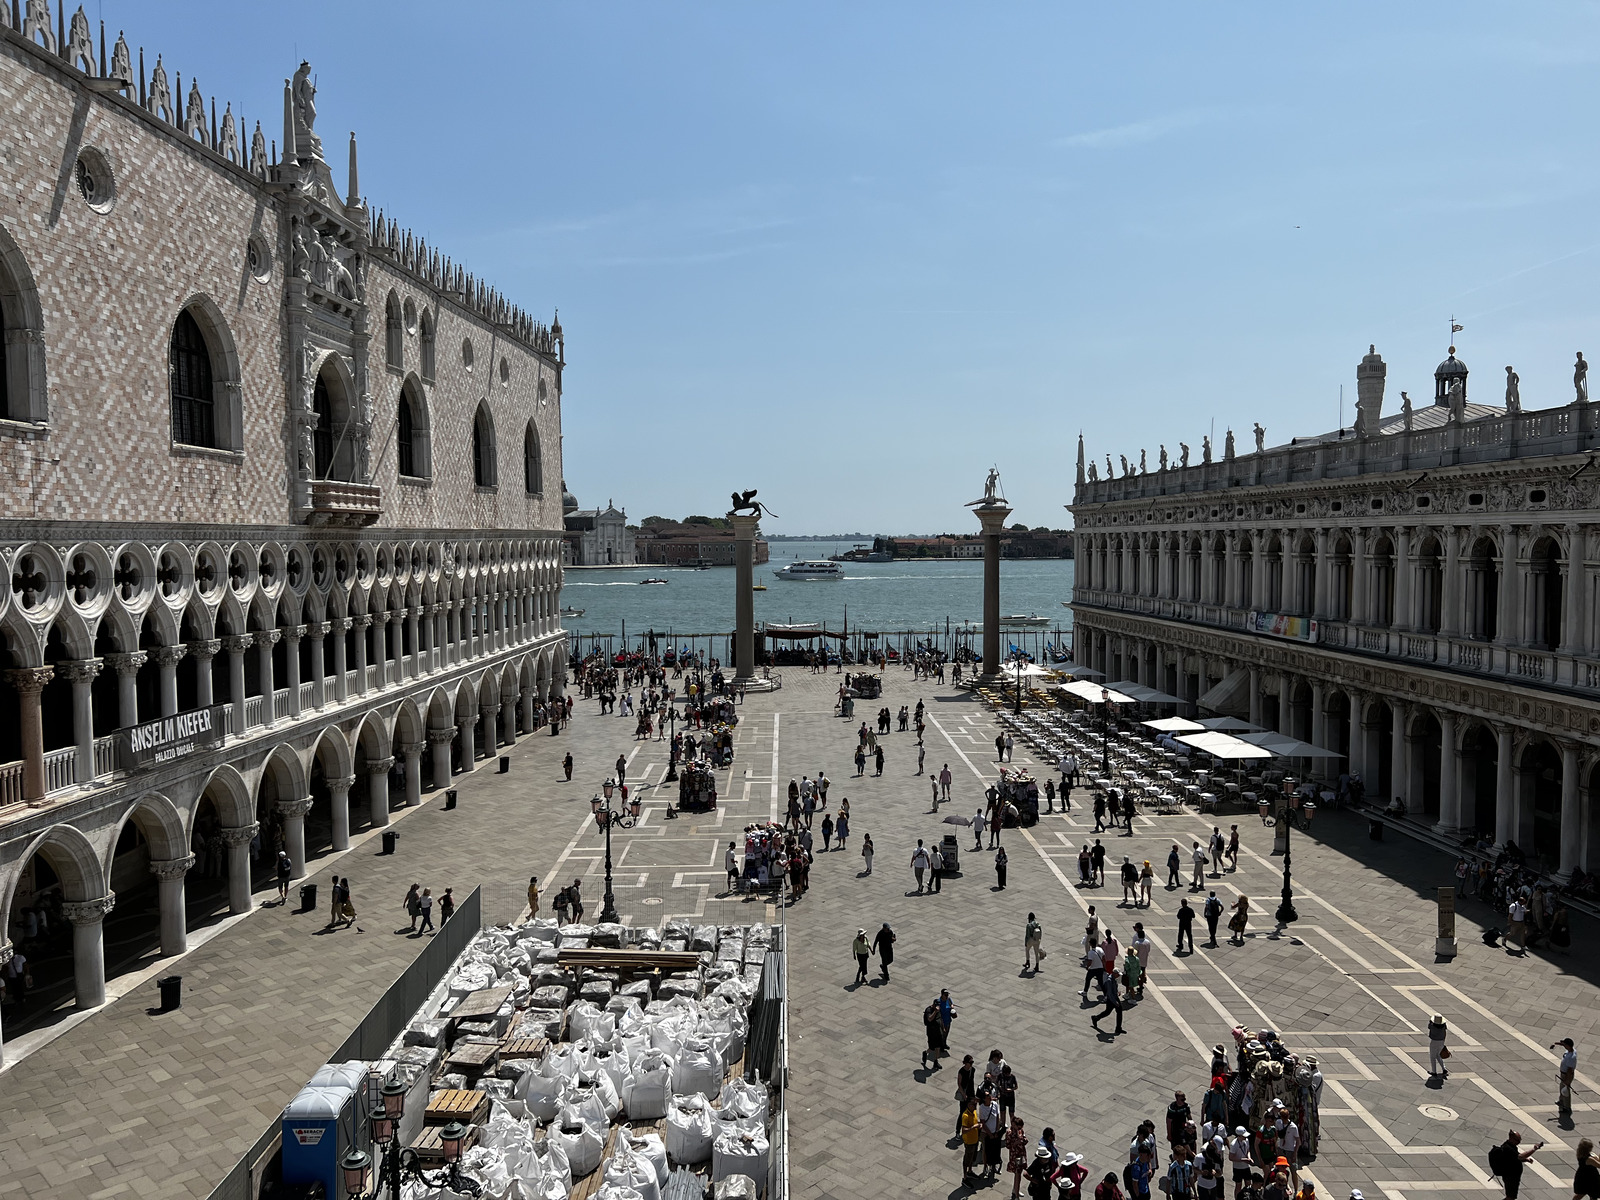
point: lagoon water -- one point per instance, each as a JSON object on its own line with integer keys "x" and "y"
{"x": 914, "y": 594}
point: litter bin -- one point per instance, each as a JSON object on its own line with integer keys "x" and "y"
{"x": 505, "y": 764}
{"x": 450, "y": 797}
{"x": 308, "y": 897}
{"x": 389, "y": 839}
{"x": 1375, "y": 829}
{"x": 171, "y": 992}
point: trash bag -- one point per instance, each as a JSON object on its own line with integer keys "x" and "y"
{"x": 649, "y": 1087}
{"x": 697, "y": 1069}
{"x": 627, "y": 1170}
{"x": 739, "y": 1152}
{"x": 689, "y": 1129}
{"x": 589, "y": 1021}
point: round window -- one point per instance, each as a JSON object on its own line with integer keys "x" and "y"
{"x": 96, "y": 184}
{"x": 259, "y": 257}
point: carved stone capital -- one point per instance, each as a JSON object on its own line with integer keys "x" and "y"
{"x": 88, "y": 912}
{"x": 341, "y": 786}
{"x": 489, "y": 706}
{"x": 206, "y": 649}
{"x": 128, "y": 663}
{"x": 317, "y": 630}
{"x": 168, "y": 656}
{"x": 362, "y": 620}
{"x": 291, "y": 810}
{"x": 379, "y": 766}
{"x": 238, "y": 643}
{"x": 410, "y": 750}
{"x": 269, "y": 637}
{"x": 171, "y": 868}
{"x": 294, "y": 632}
{"x": 240, "y": 835}
{"x": 6, "y": 951}
{"x": 440, "y": 737}
{"x": 80, "y": 670}
{"x": 340, "y": 625}
{"x": 30, "y": 681}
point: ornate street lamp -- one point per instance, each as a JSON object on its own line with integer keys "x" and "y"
{"x": 1286, "y": 914}
{"x": 606, "y": 816}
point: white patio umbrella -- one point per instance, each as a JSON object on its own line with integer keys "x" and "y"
{"x": 1222, "y": 745}
{"x": 1174, "y": 725}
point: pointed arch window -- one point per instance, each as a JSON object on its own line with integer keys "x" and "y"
{"x": 414, "y": 458}
{"x": 532, "y": 462}
{"x": 429, "y": 345}
{"x": 405, "y": 436}
{"x": 394, "y": 330}
{"x": 484, "y": 473}
{"x": 193, "y": 392}
{"x": 322, "y": 435}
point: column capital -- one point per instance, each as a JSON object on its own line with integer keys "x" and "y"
{"x": 238, "y": 643}
{"x": 171, "y": 868}
{"x": 362, "y": 620}
{"x": 338, "y": 625}
{"x": 489, "y": 706}
{"x": 168, "y": 656}
{"x": 295, "y": 808}
{"x": 269, "y": 637}
{"x": 205, "y": 648}
{"x": 89, "y": 912}
{"x": 6, "y": 951}
{"x": 440, "y": 736}
{"x": 30, "y": 680}
{"x": 341, "y": 785}
{"x": 294, "y": 632}
{"x": 410, "y": 750}
{"x": 317, "y": 630}
{"x": 241, "y": 834}
{"x": 127, "y": 663}
{"x": 79, "y": 670}
{"x": 380, "y": 766}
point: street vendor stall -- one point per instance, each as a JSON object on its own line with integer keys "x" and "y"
{"x": 764, "y": 859}
{"x": 1267, "y": 1083}
{"x": 1019, "y": 795}
{"x": 697, "y": 786}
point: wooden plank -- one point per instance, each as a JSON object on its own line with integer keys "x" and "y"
{"x": 430, "y": 1146}
{"x": 481, "y": 1004}
{"x": 457, "y": 1104}
{"x": 473, "y": 1058}
{"x": 664, "y": 960}
{"x": 524, "y": 1047}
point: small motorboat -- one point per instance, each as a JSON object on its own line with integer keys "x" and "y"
{"x": 569, "y": 611}
{"x": 643, "y": 582}
{"x": 1024, "y": 619}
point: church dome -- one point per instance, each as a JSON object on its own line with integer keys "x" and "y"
{"x": 569, "y": 502}
{"x": 1451, "y": 368}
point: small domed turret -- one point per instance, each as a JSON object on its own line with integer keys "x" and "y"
{"x": 1445, "y": 376}
{"x": 569, "y": 502}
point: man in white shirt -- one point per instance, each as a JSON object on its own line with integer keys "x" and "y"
{"x": 730, "y": 864}
{"x": 936, "y": 864}
{"x": 1518, "y": 912}
{"x": 1289, "y": 1146}
{"x": 1239, "y": 1157}
{"x": 1199, "y": 881}
{"x": 919, "y": 863}
{"x": 1565, "y": 1076}
{"x": 1093, "y": 969}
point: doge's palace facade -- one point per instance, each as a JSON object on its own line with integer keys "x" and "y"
{"x": 281, "y": 513}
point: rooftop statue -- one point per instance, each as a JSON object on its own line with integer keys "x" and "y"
{"x": 1094, "y": 474}
{"x": 1163, "y": 459}
{"x": 1580, "y": 379}
{"x": 1183, "y": 454}
{"x": 1227, "y": 446}
{"x": 307, "y": 145}
{"x": 1457, "y": 397}
{"x": 1143, "y": 470}
{"x": 1205, "y": 450}
{"x": 1405, "y": 412}
{"x": 1513, "y": 391}
{"x": 1261, "y": 438}
{"x": 1125, "y": 471}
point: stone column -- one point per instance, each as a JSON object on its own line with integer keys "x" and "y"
{"x": 265, "y": 641}
{"x": 508, "y": 721}
{"x": 744, "y": 600}
{"x": 530, "y": 697}
{"x": 363, "y": 622}
{"x": 6, "y": 954}
{"x": 1449, "y": 776}
{"x": 440, "y": 740}
{"x": 490, "y": 712}
{"x": 169, "y": 875}
{"x": 88, "y": 948}
{"x": 1319, "y": 718}
{"x": 204, "y": 651}
{"x": 294, "y": 813}
{"x": 1286, "y": 705}
{"x": 397, "y": 644}
{"x": 378, "y": 788}
{"x": 237, "y": 840}
{"x": 992, "y": 516}
{"x": 1231, "y": 572}
{"x": 1255, "y": 695}
{"x": 340, "y": 626}
{"x": 1509, "y": 619}
{"x": 1404, "y": 618}
{"x": 167, "y": 659}
{"x": 339, "y": 798}
{"x": 294, "y": 633}
{"x": 29, "y": 682}
{"x": 317, "y": 631}
{"x": 127, "y": 668}
{"x": 1571, "y": 814}
{"x": 80, "y": 673}
{"x": 1505, "y": 803}
{"x": 1574, "y": 599}
{"x": 1359, "y": 600}
{"x": 1399, "y": 754}
{"x": 469, "y": 744}
{"x": 1450, "y": 587}
{"x": 414, "y": 626}
{"x": 411, "y": 755}
{"x": 236, "y": 644}
{"x": 1323, "y": 586}
{"x": 436, "y": 641}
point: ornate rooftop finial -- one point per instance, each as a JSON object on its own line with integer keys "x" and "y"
{"x": 36, "y": 23}
{"x": 121, "y": 70}
{"x": 258, "y": 153}
{"x": 228, "y": 143}
{"x": 80, "y": 44}
{"x": 194, "y": 120}
{"x": 161, "y": 94}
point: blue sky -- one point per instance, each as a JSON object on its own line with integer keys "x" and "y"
{"x": 851, "y": 255}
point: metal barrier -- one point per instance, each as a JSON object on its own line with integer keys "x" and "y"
{"x": 767, "y": 1057}
{"x": 374, "y": 1034}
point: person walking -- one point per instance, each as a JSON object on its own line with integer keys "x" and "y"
{"x": 866, "y": 843}
{"x": 1239, "y": 1159}
{"x": 1507, "y": 1161}
{"x": 413, "y": 904}
{"x": 1518, "y": 931}
{"x": 1000, "y": 861}
{"x": 1005, "y": 1092}
{"x": 1032, "y": 944}
{"x": 922, "y": 754}
{"x": 935, "y": 1034}
{"x": 1130, "y": 809}
{"x": 996, "y": 820}
{"x": 1185, "y": 926}
{"x": 1586, "y": 1181}
{"x": 285, "y": 871}
{"x": 1565, "y": 1074}
{"x": 861, "y": 948}
{"x": 1016, "y": 1155}
{"x": 861, "y": 759}
{"x": 944, "y": 781}
{"x": 730, "y": 864}
{"x": 1436, "y": 1046}
{"x": 1198, "y": 881}
{"x": 1093, "y": 963}
{"x": 841, "y": 830}
{"x": 1009, "y": 745}
{"x": 335, "y": 903}
{"x": 1113, "y": 998}
{"x": 877, "y": 758}
{"x": 1174, "y": 867}
{"x": 1233, "y": 847}
{"x": 993, "y": 1131}
{"x": 1147, "y": 883}
{"x": 936, "y": 869}
{"x": 1130, "y": 883}
{"x": 1213, "y": 914}
{"x": 919, "y": 864}
{"x": 447, "y": 905}
{"x": 999, "y": 747}
{"x": 533, "y": 896}
{"x": 566, "y": 765}
{"x": 884, "y": 945}
{"x": 1097, "y": 860}
{"x": 1239, "y": 920}
{"x": 1217, "y": 846}
{"x": 827, "y": 830}
{"x": 1099, "y": 812}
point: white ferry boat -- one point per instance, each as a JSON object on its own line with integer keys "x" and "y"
{"x": 813, "y": 569}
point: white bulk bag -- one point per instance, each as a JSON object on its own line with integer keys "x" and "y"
{"x": 628, "y": 1170}
{"x": 737, "y": 1152}
{"x": 617, "y": 1193}
{"x": 501, "y": 1128}
{"x": 614, "y": 1063}
{"x": 545, "y": 1095}
{"x": 597, "y": 1093}
{"x": 746, "y": 1099}
{"x": 562, "y": 1061}
{"x": 651, "y": 1149}
{"x": 488, "y": 1167}
{"x": 587, "y": 1021}
{"x": 649, "y": 1088}
{"x": 581, "y": 1142}
{"x": 689, "y": 1129}
{"x": 542, "y": 929}
{"x": 557, "y": 1172}
{"x": 683, "y": 1185}
{"x": 698, "y": 1069}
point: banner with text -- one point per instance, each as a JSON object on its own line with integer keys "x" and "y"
{"x": 167, "y": 739}
{"x": 1282, "y": 625}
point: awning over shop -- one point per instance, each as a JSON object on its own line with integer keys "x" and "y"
{"x": 1231, "y": 695}
{"x": 1145, "y": 695}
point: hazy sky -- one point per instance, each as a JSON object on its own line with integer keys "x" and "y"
{"x": 851, "y": 254}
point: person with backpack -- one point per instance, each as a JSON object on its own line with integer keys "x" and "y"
{"x": 933, "y": 1027}
{"x": 1213, "y": 914}
{"x": 1032, "y": 944}
{"x": 1506, "y": 1161}
{"x": 883, "y": 944}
